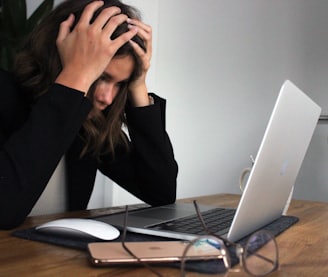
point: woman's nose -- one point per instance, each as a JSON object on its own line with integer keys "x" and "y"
{"x": 108, "y": 95}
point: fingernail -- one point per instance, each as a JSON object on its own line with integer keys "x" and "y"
{"x": 132, "y": 27}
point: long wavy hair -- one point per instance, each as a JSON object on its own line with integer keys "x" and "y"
{"x": 38, "y": 65}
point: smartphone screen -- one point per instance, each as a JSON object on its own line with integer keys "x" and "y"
{"x": 107, "y": 253}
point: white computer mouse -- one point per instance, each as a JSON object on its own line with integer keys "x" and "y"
{"x": 80, "y": 227}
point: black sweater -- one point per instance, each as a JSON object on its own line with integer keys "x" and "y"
{"x": 34, "y": 138}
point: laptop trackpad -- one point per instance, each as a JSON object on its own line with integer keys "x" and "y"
{"x": 162, "y": 213}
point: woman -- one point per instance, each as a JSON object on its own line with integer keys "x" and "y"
{"x": 80, "y": 76}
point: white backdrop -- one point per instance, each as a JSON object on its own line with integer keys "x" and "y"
{"x": 220, "y": 65}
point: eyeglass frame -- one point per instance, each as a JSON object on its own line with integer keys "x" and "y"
{"x": 240, "y": 250}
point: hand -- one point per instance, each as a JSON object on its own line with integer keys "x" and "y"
{"x": 87, "y": 49}
{"x": 138, "y": 89}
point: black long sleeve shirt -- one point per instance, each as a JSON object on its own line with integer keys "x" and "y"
{"x": 34, "y": 138}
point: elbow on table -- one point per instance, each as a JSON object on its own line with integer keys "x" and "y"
{"x": 9, "y": 224}
{"x": 166, "y": 191}
{"x": 9, "y": 219}
{"x": 162, "y": 199}
{"x": 169, "y": 189}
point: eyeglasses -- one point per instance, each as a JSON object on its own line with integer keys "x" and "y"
{"x": 125, "y": 247}
{"x": 258, "y": 256}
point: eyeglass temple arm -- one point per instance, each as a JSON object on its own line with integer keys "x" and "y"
{"x": 261, "y": 256}
{"x": 201, "y": 219}
{"x": 128, "y": 250}
{"x": 124, "y": 235}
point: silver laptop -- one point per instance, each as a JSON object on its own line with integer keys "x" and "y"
{"x": 271, "y": 179}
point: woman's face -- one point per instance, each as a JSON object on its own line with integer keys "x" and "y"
{"x": 116, "y": 74}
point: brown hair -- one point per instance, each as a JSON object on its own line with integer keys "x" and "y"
{"x": 38, "y": 64}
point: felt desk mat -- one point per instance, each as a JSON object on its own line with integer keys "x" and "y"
{"x": 209, "y": 267}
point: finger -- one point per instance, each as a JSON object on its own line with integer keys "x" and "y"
{"x": 65, "y": 27}
{"x": 145, "y": 31}
{"x": 140, "y": 52}
{"x": 147, "y": 40}
{"x": 107, "y": 15}
{"x": 124, "y": 38}
{"x": 139, "y": 24}
{"x": 144, "y": 56}
{"x": 145, "y": 36}
{"x": 89, "y": 11}
{"x": 144, "y": 28}
{"x": 113, "y": 23}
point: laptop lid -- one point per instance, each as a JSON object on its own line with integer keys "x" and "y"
{"x": 274, "y": 172}
{"x": 278, "y": 161}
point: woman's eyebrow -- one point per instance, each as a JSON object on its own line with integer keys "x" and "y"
{"x": 110, "y": 77}
{"x": 106, "y": 75}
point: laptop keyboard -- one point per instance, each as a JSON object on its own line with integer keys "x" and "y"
{"x": 217, "y": 220}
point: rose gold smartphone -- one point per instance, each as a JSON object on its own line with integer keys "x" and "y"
{"x": 110, "y": 253}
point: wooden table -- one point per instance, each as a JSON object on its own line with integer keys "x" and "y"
{"x": 303, "y": 248}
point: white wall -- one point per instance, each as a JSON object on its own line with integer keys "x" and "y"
{"x": 53, "y": 199}
{"x": 220, "y": 65}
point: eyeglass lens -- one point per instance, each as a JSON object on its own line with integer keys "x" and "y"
{"x": 260, "y": 254}
{"x": 206, "y": 249}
